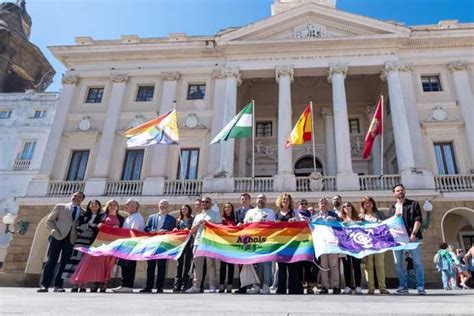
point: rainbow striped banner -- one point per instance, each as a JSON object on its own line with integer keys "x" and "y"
{"x": 134, "y": 245}
{"x": 257, "y": 242}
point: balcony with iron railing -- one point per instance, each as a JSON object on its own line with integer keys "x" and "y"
{"x": 123, "y": 188}
{"x": 455, "y": 183}
{"x": 21, "y": 164}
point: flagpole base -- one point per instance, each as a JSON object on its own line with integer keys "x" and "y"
{"x": 347, "y": 182}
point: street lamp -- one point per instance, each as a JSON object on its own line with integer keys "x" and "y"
{"x": 428, "y": 208}
{"x": 10, "y": 220}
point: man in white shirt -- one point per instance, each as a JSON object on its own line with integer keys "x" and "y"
{"x": 206, "y": 215}
{"x": 133, "y": 221}
{"x": 261, "y": 214}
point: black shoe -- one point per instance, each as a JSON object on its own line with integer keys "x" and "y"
{"x": 94, "y": 289}
{"x": 82, "y": 290}
{"x": 159, "y": 290}
{"x": 42, "y": 289}
{"x": 102, "y": 290}
{"x": 145, "y": 290}
{"x": 175, "y": 290}
{"x": 324, "y": 291}
{"x": 336, "y": 291}
{"x": 228, "y": 291}
{"x": 221, "y": 291}
{"x": 309, "y": 291}
{"x": 59, "y": 290}
{"x": 242, "y": 290}
{"x": 74, "y": 290}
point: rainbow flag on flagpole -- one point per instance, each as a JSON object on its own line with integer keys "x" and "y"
{"x": 134, "y": 245}
{"x": 161, "y": 130}
{"x": 257, "y": 242}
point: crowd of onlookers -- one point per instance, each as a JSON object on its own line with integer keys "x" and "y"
{"x": 71, "y": 226}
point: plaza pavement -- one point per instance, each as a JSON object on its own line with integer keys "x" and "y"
{"x": 25, "y": 301}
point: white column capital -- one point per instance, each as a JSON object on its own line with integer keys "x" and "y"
{"x": 171, "y": 76}
{"x": 116, "y": 78}
{"x": 69, "y": 79}
{"x": 397, "y": 65}
{"x": 228, "y": 72}
{"x": 284, "y": 70}
{"x": 325, "y": 111}
{"x": 339, "y": 68}
{"x": 459, "y": 65}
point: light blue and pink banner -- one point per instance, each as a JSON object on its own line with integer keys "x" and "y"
{"x": 360, "y": 240}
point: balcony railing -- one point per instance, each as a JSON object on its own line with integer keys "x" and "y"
{"x": 253, "y": 185}
{"x": 183, "y": 187}
{"x": 374, "y": 183}
{"x": 21, "y": 164}
{"x": 454, "y": 183}
{"x": 123, "y": 188}
{"x": 303, "y": 184}
{"x": 65, "y": 188}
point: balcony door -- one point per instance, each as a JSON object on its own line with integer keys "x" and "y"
{"x": 78, "y": 165}
{"x": 132, "y": 168}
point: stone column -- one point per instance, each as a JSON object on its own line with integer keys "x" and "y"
{"x": 328, "y": 116}
{"x": 424, "y": 175}
{"x": 221, "y": 156}
{"x": 346, "y": 178}
{"x": 285, "y": 179}
{"x": 96, "y": 184}
{"x": 39, "y": 185}
{"x": 376, "y": 150}
{"x": 154, "y": 182}
{"x": 466, "y": 103}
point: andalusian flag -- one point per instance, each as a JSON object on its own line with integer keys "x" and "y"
{"x": 303, "y": 129}
{"x": 161, "y": 130}
{"x": 239, "y": 127}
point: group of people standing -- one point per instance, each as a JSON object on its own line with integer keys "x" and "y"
{"x": 72, "y": 226}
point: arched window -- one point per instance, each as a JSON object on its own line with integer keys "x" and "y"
{"x": 304, "y": 166}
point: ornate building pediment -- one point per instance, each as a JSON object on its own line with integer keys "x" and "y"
{"x": 312, "y": 20}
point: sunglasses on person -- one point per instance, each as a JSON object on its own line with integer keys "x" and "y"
{"x": 347, "y": 205}
{"x": 304, "y": 203}
{"x": 206, "y": 201}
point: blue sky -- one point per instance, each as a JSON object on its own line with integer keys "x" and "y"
{"x": 58, "y": 22}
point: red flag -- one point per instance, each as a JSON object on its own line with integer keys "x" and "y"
{"x": 376, "y": 128}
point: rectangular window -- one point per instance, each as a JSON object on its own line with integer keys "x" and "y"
{"x": 39, "y": 114}
{"x": 27, "y": 151}
{"x": 132, "y": 168}
{"x": 264, "y": 129}
{"x": 431, "y": 83}
{"x": 145, "y": 93}
{"x": 445, "y": 160}
{"x": 196, "y": 91}
{"x": 5, "y": 114}
{"x": 188, "y": 164}
{"x": 77, "y": 167}
{"x": 94, "y": 95}
{"x": 354, "y": 126}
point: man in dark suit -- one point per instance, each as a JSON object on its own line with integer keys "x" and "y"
{"x": 158, "y": 222}
{"x": 62, "y": 225}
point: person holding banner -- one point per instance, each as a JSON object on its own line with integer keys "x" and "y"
{"x": 184, "y": 222}
{"x": 133, "y": 221}
{"x": 206, "y": 215}
{"x": 228, "y": 219}
{"x": 369, "y": 213}
{"x": 261, "y": 214}
{"x": 329, "y": 262}
{"x": 99, "y": 269}
{"x": 290, "y": 271}
{"x": 410, "y": 211}
{"x": 349, "y": 217}
{"x": 308, "y": 269}
{"x": 158, "y": 222}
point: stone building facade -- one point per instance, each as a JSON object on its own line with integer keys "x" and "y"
{"x": 306, "y": 49}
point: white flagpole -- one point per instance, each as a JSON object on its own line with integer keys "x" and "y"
{"x": 312, "y": 134}
{"x": 253, "y": 139}
{"x": 381, "y": 139}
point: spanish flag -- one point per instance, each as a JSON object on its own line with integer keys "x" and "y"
{"x": 303, "y": 129}
{"x": 376, "y": 128}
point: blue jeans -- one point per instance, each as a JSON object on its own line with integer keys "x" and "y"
{"x": 415, "y": 254}
{"x": 445, "y": 275}
{"x": 266, "y": 270}
{"x": 411, "y": 278}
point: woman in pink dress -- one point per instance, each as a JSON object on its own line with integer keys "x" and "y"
{"x": 99, "y": 269}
